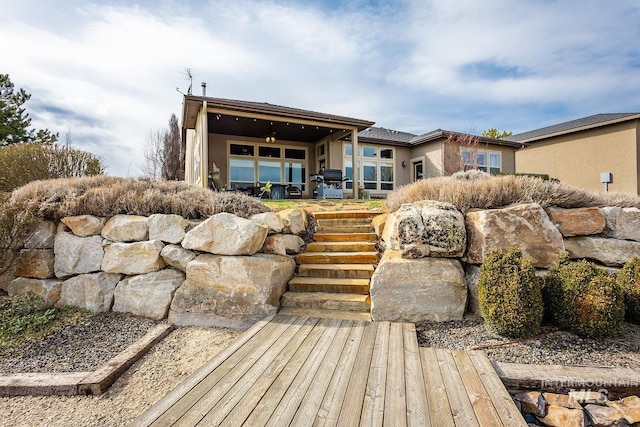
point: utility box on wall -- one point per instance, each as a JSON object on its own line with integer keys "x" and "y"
{"x": 606, "y": 177}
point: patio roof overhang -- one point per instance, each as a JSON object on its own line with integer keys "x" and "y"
{"x": 253, "y": 119}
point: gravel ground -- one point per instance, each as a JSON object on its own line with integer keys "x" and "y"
{"x": 84, "y": 346}
{"x": 167, "y": 364}
{"x": 553, "y": 348}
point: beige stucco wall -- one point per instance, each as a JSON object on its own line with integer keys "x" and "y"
{"x": 432, "y": 157}
{"x": 579, "y": 158}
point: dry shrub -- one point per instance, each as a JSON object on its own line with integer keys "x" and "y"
{"x": 501, "y": 191}
{"x": 629, "y": 281}
{"x": 16, "y": 226}
{"x": 106, "y": 196}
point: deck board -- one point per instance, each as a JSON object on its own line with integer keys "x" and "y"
{"x": 289, "y": 370}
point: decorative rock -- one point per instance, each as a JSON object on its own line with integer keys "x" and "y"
{"x": 611, "y": 252}
{"x": 43, "y": 237}
{"x": 588, "y": 396}
{"x": 577, "y": 222}
{"x": 426, "y": 228}
{"x": 471, "y": 275}
{"x": 177, "y": 256}
{"x": 84, "y": 225}
{"x": 133, "y": 258}
{"x": 622, "y": 223}
{"x": 270, "y": 220}
{"x": 526, "y": 226}
{"x": 8, "y": 276}
{"x": 294, "y": 220}
{"x": 126, "y": 228}
{"x": 231, "y": 291}
{"x": 283, "y": 244}
{"x": 532, "y": 402}
{"x": 226, "y": 234}
{"x": 630, "y": 408}
{"x": 557, "y": 416}
{"x": 414, "y": 290}
{"x": 563, "y": 400}
{"x": 378, "y": 222}
{"x": 47, "y": 289}
{"x": 604, "y": 416}
{"x": 147, "y": 295}
{"x": 36, "y": 263}
{"x": 91, "y": 291}
{"x": 77, "y": 255}
{"x": 168, "y": 228}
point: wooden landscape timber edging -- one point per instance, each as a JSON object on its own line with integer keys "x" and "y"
{"x": 618, "y": 382}
{"x": 291, "y": 370}
{"x": 82, "y": 383}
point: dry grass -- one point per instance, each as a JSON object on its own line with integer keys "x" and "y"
{"x": 494, "y": 192}
{"x": 106, "y": 196}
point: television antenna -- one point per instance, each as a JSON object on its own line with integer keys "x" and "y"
{"x": 188, "y": 73}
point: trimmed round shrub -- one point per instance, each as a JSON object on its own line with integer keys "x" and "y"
{"x": 629, "y": 281}
{"x": 509, "y": 294}
{"x": 583, "y": 298}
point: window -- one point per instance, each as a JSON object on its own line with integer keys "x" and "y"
{"x": 321, "y": 159}
{"x": 250, "y": 164}
{"x": 486, "y": 161}
{"x": 376, "y": 171}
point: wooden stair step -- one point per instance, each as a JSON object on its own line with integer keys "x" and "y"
{"x": 326, "y": 314}
{"x": 337, "y": 271}
{"x": 345, "y": 229}
{"x": 345, "y": 237}
{"x": 337, "y": 222}
{"x": 345, "y": 214}
{"x": 341, "y": 247}
{"x": 337, "y": 258}
{"x": 327, "y": 301}
{"x": 323, "y": 284}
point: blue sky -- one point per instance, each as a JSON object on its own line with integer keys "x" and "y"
{"x": 107, "y": 71}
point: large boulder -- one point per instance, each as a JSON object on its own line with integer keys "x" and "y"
{"x": 526, "y": 226}
{"x": 84, "y": 225}
{"x": 133, "y": 258}
{"x": 270, "y": 220}
{"x": 294, "y": 220}
{"x": 93, "y": 292}
{"x": 177, "y": 257}
{"x": 611, "y": 252}
{"x": 426, "y": 228}
{"x": 226, "y": 234}
{"x": 471, "y": 276}
{"x": 35, "y": 263}
{"x": 415, "y": 290}
{"x": 378, "y": 222}
{"x": 577, "y": 222}
{"x": 43, "y": 236}
{"x": 147, "y": 295}
{"x": 7, "y": 276}
{"x": 126, "y": 228}
{"x": 231, "y": 291}
{"x": 77, "y": 255}
{"x": 283, "y": 244}
{"x": 167, "y": 228}
{"x": 48, "y": 289}
{"x": 622, "y": 223}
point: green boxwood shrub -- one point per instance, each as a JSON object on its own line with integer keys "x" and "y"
{"x": 584, "y": 299}
{"x": 509, "y": 294}
{"x": 629, "y": 281}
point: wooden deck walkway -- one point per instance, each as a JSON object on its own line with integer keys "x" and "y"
{"x": 304, "y": 371}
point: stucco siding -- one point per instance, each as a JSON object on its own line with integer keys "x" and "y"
{"x": 579, "y": 158}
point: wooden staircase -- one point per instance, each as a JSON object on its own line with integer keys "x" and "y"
{"x": 334, "y": 273}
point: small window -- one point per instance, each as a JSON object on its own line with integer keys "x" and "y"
{"x": 348, "y": 150}
{"x": 241, "y": 150}
{"x": 495, "y": 165}
{"x": 269, "y": 151}
{"x": 386, "y": 153}
{"x": 292, "y": 153}
{"x": 369, "y": 151}
{"x": 320, "y": 150}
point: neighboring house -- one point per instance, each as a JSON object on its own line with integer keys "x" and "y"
{"x": 579, "y": 151}
{"x": 250, "y": 143}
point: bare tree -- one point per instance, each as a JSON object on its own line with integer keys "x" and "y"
{"x": 153, "y": 153}
{"x": 460, "y": 152}
{"x": 173, "y": 162}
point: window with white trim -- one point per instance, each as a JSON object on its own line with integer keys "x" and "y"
{"x": 375, "y": 164}
{"x": 253, "y": 164}
{"x": 484, "y": 160}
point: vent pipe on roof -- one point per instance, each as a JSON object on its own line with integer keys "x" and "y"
{"x": 204, "y": 88}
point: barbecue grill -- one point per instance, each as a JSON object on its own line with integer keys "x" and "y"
{"x": 329, "y": 183}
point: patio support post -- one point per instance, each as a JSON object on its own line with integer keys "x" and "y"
{"x": 354, "y": 158}
{"x": 204, "y": 149}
